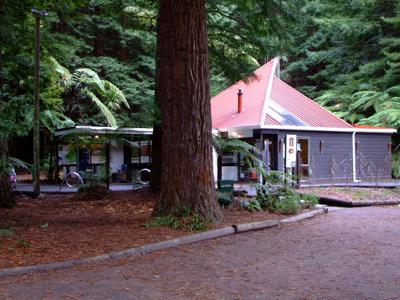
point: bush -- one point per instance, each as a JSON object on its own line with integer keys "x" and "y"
{"x": 188, "y": 221}
{"x": 282, "y": 200}
{"x": 309, "y": 200}
{"x": 254, "y": 205}
{"x": 288, "y": 206}
{"x": 267, "y": 198}
{"x": 167, "y": 221}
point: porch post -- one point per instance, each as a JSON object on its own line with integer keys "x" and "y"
{"x": 107, "y": 166}
{"x": 219, "y": 169}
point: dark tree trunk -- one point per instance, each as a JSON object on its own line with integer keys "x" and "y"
{"x": 156, "y": 149}
{"x": 7, "y": 199}
{"x": 184, "y": 94}
{"x": 156, "y": 159}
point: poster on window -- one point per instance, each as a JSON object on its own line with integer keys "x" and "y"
{"x": 291, "y": 144}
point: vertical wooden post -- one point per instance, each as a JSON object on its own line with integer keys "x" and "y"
{"x": 36, "y": 126}
{"x": 298, "y": 168}
{"x": 56, "y": 161}
{"x": 107, "y": 166}
{"x": 219, "y": 170}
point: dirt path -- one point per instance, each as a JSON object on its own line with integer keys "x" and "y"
{"x": 346, "y": 254}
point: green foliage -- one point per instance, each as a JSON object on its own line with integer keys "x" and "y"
{"x": 7, "y": 232}
{"x": 348, "y": 58}
{"x": 23, "y": 244}
{"x": 277, "y": 199}
{"x": 396, "y": 165}
{"x": 309, "y": 200}
{"x": 250, "y": 153}
{"x": 254, "y": 205}
{"x": 188, "y": 221}
{"x": 165, "y": 221}
{"x": 289, "y": 205}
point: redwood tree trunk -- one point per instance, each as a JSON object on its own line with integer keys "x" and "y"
{"x": 7, "y": 199}
{"x": 184, "y": 94}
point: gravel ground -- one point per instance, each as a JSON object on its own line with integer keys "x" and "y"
{"x": 346, "y": 254}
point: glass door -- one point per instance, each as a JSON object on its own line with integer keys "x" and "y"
{"x": 303, "y": 148}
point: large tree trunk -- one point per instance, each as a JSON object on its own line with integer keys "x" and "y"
{"x": 7, "y": 199}
{"x": 184, "y": 94}
{"x": 156, "y": 149}
{"x": 156, "y": 159}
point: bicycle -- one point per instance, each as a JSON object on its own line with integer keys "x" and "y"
{"x": 141, "y": 179}
{"x": 73, "y": 180}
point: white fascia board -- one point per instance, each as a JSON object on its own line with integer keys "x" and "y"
{"x": 331, "y": 129}
{"x": 268, "y": 92}
{"x": 377, "y": 130}
{"x": 105, "y": 130}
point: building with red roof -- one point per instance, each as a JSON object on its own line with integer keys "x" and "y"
{"x": 296, "y": 134}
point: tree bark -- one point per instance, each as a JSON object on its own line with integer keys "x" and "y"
{"x": 7, "y": 199}
{"x": 156, "y": 147}
{"x": 156, "y": 159}
{"x": 183, "y": 91}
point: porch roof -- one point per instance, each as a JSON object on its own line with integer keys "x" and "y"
{"x": 98, "y": 130}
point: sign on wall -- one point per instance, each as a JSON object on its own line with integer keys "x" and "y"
{"x": 291, "y": 144}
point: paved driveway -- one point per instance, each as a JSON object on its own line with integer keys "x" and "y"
{"x": 346, "y": 254}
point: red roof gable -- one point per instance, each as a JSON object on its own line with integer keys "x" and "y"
{"x": 268, "y": 101}
{"x": 224, "y": 105}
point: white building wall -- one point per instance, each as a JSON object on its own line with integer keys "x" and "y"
{"x": 116, "y": 157}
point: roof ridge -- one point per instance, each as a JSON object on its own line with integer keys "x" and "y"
{"x": 268, "y": 90}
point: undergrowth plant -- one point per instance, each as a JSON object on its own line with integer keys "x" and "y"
{"x": 188, "y": 221}
{"x": 277, "y": 195}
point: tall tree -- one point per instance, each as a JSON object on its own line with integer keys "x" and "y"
{"x": 183, "y": 91}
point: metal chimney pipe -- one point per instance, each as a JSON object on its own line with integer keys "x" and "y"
{"x": 240, "y": 101}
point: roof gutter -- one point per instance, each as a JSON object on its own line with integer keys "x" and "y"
{"x": 331, "y": 129}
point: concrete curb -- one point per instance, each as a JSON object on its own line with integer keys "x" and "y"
{"x": 211, "y": 234}
{"x": 304, "y": 216}
{"x": 350, "y": 203}
{"x": 255, "y": 226}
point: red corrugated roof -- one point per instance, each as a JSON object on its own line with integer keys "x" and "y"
{"x": 266, "y": 90}
{"x": 224, "y": 105}
{"x": 303, "y": 107}
{"x": 270, "y": 120}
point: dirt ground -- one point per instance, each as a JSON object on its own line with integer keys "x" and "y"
{"x": 58, "y": 227}
{"x": 355, "y": 194}
{"x": 350, "y": 253}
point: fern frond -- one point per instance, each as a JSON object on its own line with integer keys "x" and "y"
{"x": 103, "y": 108}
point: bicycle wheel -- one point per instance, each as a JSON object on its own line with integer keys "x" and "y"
{"x": 143, "y": 176}
{"x": 73, "y": 180}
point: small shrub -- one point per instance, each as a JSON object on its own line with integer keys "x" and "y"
{"x": 254, "y": 205}
{"x": 267, "y": 198}
{"x": 194, "y": 223}
{"x": 23, "y": 244}
{"x": 167, "y": 221}
{"x": 44, "y": 226}
{"x": 288, "y": 206}
{"x": 189, "y": 221}
{"x": 310, "y": 200}
{"x": 91, "y": 190}
{"x": 6, "y": 232}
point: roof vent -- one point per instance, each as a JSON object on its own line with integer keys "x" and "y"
{"x": 240, "y": 101}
